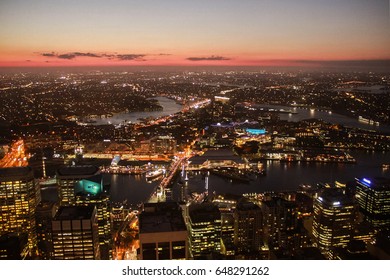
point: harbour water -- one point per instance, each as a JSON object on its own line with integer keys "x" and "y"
{"x": 169, "y": 107}
{"x": 131, "y": 188}
{"x": 299, "y": 114}
{"x": 280, "y": 177}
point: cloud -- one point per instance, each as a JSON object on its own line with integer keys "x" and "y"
{"x": 129, "y": 56}
{"x": 88, "y": 54}
{"x": 210, "y": 58}
{"x": 110, "y": 56}
{"x": 48, "y": 54}
{"x": 66, "y": 56}
{"x": 70, "y": 55}
{"x": 76, "y": 54}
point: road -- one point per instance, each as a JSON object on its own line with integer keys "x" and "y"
{"x": 16, "y": 157}
{"x": 159, "y": 194}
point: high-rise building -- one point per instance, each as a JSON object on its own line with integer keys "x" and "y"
{"x": 91, "y": 192}
{"x": 204, "y": 226}
{"x": 373, "y": 197}
{"x": 18, "y": 200}
{"x": 280, "y": 224}
{"x": 334, "y": 216}
{"x": 68, "y": 176}
{"x": 75, "y": 233}
{"x": 14, "y": 246}
{"x": 45, "y": 212}
{"x": 162, "y": 232}
{"x": 226, "y": 204}
{"x": 248, "y": 226}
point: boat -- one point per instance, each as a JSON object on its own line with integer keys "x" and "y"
{"x": 153, "y": 174}
{"x": 231, "y": 174}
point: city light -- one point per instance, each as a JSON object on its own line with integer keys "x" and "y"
{"x": 255, "y": 131}
{"x": 244, "y": 161}
{"x": 367, "y": 181}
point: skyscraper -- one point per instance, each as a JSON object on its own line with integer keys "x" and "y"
{"x": 204, "y": 228}
{"x": 18, "y": 200}
{"x": 280, "y": 220}
{"x": 68, "y": 176}
{"x": 373, "y": 197}
{"x": 162, "y": 232}
{"x": 45, "y": 212}
{"x": 334, "y": 215}
{"x": 248, "y": 226}
{"x": 227, "y": 204}
{"x": 75, "y": 233}
{"x": 91, "y": 192}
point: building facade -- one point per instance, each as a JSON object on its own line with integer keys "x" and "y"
{"x": 91, "y": 192}
{"x": 373, "y": 197}
{"x": 75, "y": 233}
{"x": 334, "y": 217}
{"x": 18, "y": 200}
{"x": 45, "y": 213}
{"x": 162, "y": 232}
{"x": 248, "y": 227}
{"x": 280, "y": 224}
{"x": 68, "y": 176}
{"x": 204, "y": 226}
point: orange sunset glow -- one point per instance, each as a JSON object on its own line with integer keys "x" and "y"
{"x": 187, "y": 33}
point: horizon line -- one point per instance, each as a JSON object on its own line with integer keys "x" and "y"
{"x": 260, "y": 63}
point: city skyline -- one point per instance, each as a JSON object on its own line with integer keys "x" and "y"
{"x": 176, "y": 33}
{"x": 195, "y": 130}
{"x": 194, "y": 165}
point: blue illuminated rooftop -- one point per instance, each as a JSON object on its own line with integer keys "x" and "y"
{"x": 92, "y": 185}
{"x": 255, "y": 131}
{"x": 379, "y": 183}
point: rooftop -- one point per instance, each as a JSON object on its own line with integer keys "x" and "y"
{"x": 278, "y": 201}
{"x": 161, "y": 217}
{"x": 15, "y": 172}
{"x": 74, "y": 213}
{"x": 78, "y": 170}
{"x": 215, "y": 155}
{"x": 334, "y": 197}
{"x": 246, "y": 205}
{"x": 378, "y": 183}
{"x": 205, "y": 212}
